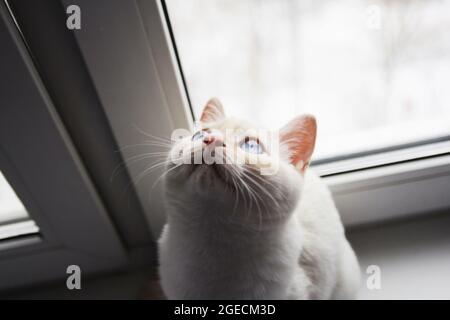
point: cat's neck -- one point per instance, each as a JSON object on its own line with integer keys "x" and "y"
{"x": 224, "y": 231}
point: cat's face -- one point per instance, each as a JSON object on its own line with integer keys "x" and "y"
{"x": 229, "y": 170}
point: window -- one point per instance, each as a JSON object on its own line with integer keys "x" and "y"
{"x": 14, "y": 219}
{"x": 11, "y": 208}
{"x": 230, "y": 49}
{"x": 41, "y": 170}
{"x": 375, "y": 73}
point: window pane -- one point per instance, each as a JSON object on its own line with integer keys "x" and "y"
{"x": 14, "y": 219}
{"x": 375, "y": 73}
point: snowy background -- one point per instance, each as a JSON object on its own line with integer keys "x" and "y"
{"x": 374, "y": 73}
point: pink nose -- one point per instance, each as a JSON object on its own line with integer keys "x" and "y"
{"x": 209, "y": 139}
{"x": 213, "y": 139}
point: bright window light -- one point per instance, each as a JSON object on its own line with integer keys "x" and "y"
{"x": 375, "y": 73}
{"x": 14, "y": 218}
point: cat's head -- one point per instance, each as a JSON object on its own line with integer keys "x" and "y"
{"x": 230, "y": 170}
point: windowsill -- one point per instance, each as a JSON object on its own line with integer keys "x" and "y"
{"x": 392, "y": 191}
{"x": 413, "y": 256}
{"x": 373, "y": 160}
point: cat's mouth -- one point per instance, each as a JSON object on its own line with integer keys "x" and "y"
{"x": 209, "y": 169}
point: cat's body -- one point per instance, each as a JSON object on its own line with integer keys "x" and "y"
{"x": 308, "y": 257}
{"x": 294, "y": 248}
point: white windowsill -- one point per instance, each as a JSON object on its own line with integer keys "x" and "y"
{"x": 392, "y": 191}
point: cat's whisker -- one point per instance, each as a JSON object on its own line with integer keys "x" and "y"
{"x": 245, "y": 187}
{"x": 145, "y": 144}
{"x": 239, "y": 183}
{"x": 135, "y": 159}
{"x": 275, "y": 202}
{"x": 146, "y": 172}
{"x": 252, "y": 195}
{"x": 273, "y": 186}
{"x": 260, "y": 187}
{"x": 159, "y": 143}
{"x": 165, "y": 173}
{"x": 236, "y": 200}
{"x": 258, "y": 207}
{"x": 162, "y": 139}
{"x": 232, "y": 173}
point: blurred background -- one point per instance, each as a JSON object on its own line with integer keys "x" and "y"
{"x": 374, "y": 73}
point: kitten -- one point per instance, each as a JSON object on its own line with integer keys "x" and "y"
{"x": 234, "y": 233}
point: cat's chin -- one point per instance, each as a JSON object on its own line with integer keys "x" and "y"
{"x": 212, "y": 173}
{"x": 206, "y": 170}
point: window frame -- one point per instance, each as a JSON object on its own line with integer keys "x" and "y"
{"x": 145, "y": 24}
{"x": 385, "y": 172}
{"x": 40, "y": 162}
{"x": 365, "y": 195}
{"x": 157, "y": 109}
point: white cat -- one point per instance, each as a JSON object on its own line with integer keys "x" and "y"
{"x": 233, "y": 233}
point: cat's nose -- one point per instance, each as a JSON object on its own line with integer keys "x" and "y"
{"x": 208, "y": 139}
{"x": 215, "y": 140}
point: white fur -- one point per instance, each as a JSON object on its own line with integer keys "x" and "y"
{"x": 298, "y": 251}
{"x": 307, "y": 257}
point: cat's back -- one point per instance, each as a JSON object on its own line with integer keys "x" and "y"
{"x": 317, "y": 211}
{"x": 322, "y": 235}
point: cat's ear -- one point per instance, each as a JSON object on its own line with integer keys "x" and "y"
{"x": 299, "y": 137}
{"x": 213, "y": 111}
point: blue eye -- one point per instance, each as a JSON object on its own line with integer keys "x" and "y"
{"x": 199, "y": 135}
{"x": 251, "y": 145}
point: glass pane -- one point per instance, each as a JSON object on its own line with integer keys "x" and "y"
{"x": 375, "y": 73}
{"x": 14, "y": 219}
